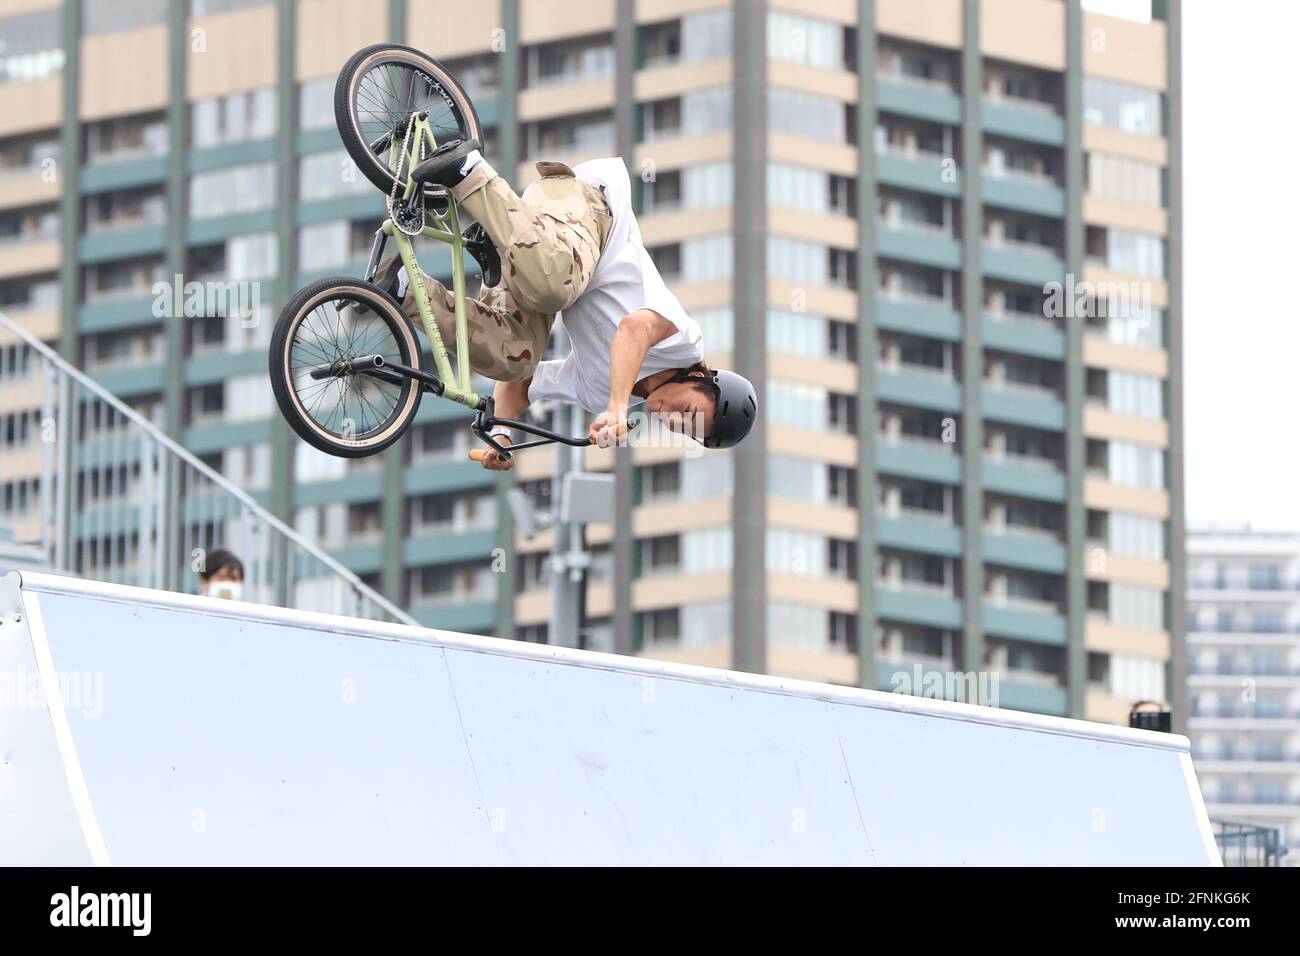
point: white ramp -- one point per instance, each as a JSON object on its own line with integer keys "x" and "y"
{"x": 169, "y": 729}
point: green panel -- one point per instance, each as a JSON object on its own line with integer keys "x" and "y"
{"x": 1024, "y": 122}
{"x": 929, "y": 249}
{"x": 932, "y": 610}
{"x": 121, "y": 244}
{"x": 132, "y": 381}
{"x": 468, "y": 617}
{"x": 124, "y": 313}
{"x": 1034, "y": 698}
{"x": 123, "y": 174}
{"x": 202, "y": 231}
{"x": 919, "y": 534}
{"x": 923, "y": 102}
{"x": 931, "y": 681}
{"x": 360, "y": 558}
{"x": 369, "y": 205}
{"x": 1027, "y": 552}
{"x": 921, "y": 173}
{"x": 1019, "y": 408}
{"x": 1036, "y": 626}
{"x": 913, "y": 461}
{"x": 203, "y": 439}
{"x": 352, "y": 489}
{"x": 232, "y": 154}
{"x": 1025, "y": 481}
{"x": 924, "y": 391}
{"x": 918, "y": 319}
{"x": 1027, "y": 268}
{"x": 219, "y": 366}
{"x": 1025, "y": 195}
{"x": 449, "y": 548}
{"x": 324, "y": 140}
{"x": 1024, "y": 338}
{"x": 451, "y": 476}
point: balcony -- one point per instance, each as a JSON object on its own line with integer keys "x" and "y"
{"x": 1023, "y": 192}
{"x": 917, "y": 97}
{"x": 1026, "y": 119}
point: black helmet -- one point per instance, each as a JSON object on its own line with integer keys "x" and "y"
{"x": 736, "y": 411}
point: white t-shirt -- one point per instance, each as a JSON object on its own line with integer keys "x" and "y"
{"x": 625, "y": 281}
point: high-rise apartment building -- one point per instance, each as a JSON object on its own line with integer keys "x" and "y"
{"x": 1243, "y": 663}
{"x": 942, "y": 237}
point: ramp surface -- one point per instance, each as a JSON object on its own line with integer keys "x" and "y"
{"x": 201, "y": 731}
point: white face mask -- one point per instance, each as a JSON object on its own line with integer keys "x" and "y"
{"x": 230, "y": 590}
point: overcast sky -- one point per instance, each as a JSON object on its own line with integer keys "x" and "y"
{"x": 1240, "y": 206}
{"x": 1242, "y": 355}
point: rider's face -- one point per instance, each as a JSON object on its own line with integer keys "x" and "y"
{"x": 683, "y": 408}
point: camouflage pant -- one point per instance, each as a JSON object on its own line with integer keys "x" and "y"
{"x": 549, "y": 241}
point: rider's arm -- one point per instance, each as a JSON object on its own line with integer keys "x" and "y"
{"x": 509, "y": 399}
{"x": 636, "y": 335}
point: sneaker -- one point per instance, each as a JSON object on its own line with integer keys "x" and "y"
{"x": 450, "y": 163}
{"x": 479, "y": 245}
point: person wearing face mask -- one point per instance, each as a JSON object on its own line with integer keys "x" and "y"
{"x": 222, "y": 575}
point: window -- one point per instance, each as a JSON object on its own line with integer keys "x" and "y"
{"x": 798, "y": 333}
{"x": 108, "y": 16}
{"x": 797, "y": 552}
{"x": 1135, "y": 535}
{"x": 1133, "y": 606}
{"x": 798, "y": 479}
{"x": 806, "y": 114}
{"x": 1130, "y": 393}
{"x": 1135, "y": 252}
{"x": 234, "y": 118}
{"x": 570, "y": 61}
{"x": 794, "y": 625}
{"x": 797, "y": 187}
{"x": 236, "y": 189}
{"x": 125, "y": 208}
{"x": 1122, "y": 106}
{"x": 32, "y": 47}
{"x": 316, "y": 104}
{"x": 1136, "y": 465}
{"x": 706, "y": 551}
{"x": 1128, "y": 180}
{"x": 130, "y": 138}
{"x": 800, "y": 39}
{"x": 796, "y": 405}
{"x": 329, "y": 176}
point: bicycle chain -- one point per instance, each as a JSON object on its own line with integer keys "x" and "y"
{"x": 408, "y": 217}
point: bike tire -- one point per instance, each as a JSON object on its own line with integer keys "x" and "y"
{"x": 291, "y": 317}
{"x": 366, "y": 62}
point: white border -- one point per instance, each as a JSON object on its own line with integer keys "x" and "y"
{"x": 63, "y": 732}
{"x": 667, "y": 670}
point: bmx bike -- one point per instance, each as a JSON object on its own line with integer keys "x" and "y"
{"x": 344, "y": 357}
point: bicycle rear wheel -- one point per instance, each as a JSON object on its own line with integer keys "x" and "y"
{"x": 376, "y": 92}
{"x": 344, "y": 410}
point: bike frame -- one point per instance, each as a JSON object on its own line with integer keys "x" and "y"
{"x": 450, "y": 383}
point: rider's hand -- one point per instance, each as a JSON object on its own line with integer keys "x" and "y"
{"x": 609, "y": 428}
{"x": 491, "y": 459}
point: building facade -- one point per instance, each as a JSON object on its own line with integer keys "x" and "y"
{"x": 1243, "y": 656}
{"x": 941, "y": 236}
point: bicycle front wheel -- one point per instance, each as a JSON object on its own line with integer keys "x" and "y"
{"x": 379, "y": 88}
{"x": 332, "y": 399}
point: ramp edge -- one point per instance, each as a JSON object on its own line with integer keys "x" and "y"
{"x": 42, "y": 582}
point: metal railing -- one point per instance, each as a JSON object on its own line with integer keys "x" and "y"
{"x": 1248, "y": 844}
{"x": 99, "y": 491}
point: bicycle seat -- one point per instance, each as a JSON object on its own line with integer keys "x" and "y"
{"x": 442, "y": 168}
